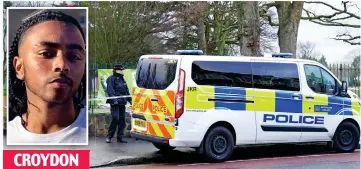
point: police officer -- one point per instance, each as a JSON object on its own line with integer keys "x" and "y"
{"x": 116, "y": 86}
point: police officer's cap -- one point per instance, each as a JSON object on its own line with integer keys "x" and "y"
{"x": 118, "y": 67}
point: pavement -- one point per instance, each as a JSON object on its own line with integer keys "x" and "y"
{"x": 101, "y": 153}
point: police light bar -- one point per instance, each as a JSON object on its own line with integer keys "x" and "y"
{"x": 282, "y": 55}
{"x": 189, "y": 52}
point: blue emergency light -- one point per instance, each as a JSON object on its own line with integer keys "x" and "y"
{"x": 282, "y": 55}
{"x": 189, "y": 52}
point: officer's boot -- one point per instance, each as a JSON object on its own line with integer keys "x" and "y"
{"x": 108, "y": 140}
{"x": 120, "y": 140}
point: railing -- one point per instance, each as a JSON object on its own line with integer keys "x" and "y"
{"x": 348, "y": 73}
{"x": 93, "y": 77}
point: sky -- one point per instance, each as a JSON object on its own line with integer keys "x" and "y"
{"x": 334, "y": 51}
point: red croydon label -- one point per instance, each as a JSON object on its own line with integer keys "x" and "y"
{"x": 46, "y": 158}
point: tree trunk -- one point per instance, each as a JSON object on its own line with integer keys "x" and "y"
{"x": 249, "y": 28}
{"x": 289, "y": 16}
{"x": 202, "y": 44}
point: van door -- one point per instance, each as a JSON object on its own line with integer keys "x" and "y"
{"x": 153, "y": 108}
{"x": 278, "y": 101}
{"x": 321, "y": 106}
{"x": 224, "y": 91}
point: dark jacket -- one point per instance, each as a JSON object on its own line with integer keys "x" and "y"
{"x": 116, "y": 86}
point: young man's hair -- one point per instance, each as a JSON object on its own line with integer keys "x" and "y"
{"x": 17, "y": 90}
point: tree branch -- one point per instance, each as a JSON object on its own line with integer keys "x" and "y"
{"x": 349, "y": 40}
{"x": 346, "y": 37}
{"x": 343, "y": 18}
{"x": 323, "y": 3}
{"x": 336, "y": 24}
{"x": 164, "y": 28}
{"x": 339, "y": 10}
{"x": 344, "y": 6}
{"x": 318, "y": 16}
{"x": 235, "y": 42}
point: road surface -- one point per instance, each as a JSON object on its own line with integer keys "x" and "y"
{"x": 273, "y": 157}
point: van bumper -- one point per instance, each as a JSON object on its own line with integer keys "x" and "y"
{"x": 171, "y": 142}
{"x": 149, "y": 138}
{"x": 184, "y": 143}
{"x": 188, "y": 138}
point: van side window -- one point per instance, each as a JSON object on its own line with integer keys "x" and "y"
{"x": 319, "y": 80}
{"x": 222, "y": 73}
{"x": 329, "y": 83}
{"x": 276, "y": 76}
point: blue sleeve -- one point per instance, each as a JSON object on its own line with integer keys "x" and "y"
{"x": 110, "y": 87}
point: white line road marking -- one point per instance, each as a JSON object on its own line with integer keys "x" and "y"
{"x": 193, "y": 164}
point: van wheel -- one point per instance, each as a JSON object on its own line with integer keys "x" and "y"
{"x": 163, "y": 147}
{"x": 346, "y": 137}
{"x": 218, "y": 144}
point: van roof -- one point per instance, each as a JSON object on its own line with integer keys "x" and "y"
{"x": 210, "y": 57}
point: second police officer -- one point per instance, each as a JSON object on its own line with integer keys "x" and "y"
{"x": 116, "y": 86}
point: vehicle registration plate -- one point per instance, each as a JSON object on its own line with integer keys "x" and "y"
{"x": 140, "y": 124}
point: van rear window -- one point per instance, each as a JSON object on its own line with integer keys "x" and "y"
{"x": 156, "y": 73}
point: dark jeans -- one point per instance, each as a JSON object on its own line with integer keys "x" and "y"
{"x": 117, "y": 121}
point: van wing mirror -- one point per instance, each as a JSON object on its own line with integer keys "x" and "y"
{"x": 344, "y": 87}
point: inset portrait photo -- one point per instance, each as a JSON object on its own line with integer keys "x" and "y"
{"x": 47, "y": 76}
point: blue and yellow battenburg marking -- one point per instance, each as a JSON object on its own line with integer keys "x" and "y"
{"x": 352, "y": 108}
{"x": 263, "y": 100}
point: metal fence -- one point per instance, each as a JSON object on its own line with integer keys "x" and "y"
{"x": 348, "y": 73}
{"x": 93, "y": 75}
{"x": 93, "y": 71}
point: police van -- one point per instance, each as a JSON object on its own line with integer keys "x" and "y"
{"x": 214, "y": 103}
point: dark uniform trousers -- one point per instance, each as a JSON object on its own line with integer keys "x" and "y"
{"x": 118, "y": 122}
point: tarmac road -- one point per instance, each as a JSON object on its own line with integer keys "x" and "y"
{"x": 314, "y": 161}
{"x": 140, "y": 154}
{"x": 274, "y": 157}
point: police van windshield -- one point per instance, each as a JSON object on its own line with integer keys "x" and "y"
{"x": 156, "y": 73}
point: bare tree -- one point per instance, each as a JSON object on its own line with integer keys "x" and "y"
{"x": 306, "y": 50}
{"x": 249, "y": 28}
{"x": 339, "y": 17}
{"x": 349, "y": 58}
{"x": 36, "y": 3}
{"x": 195, "y": 13}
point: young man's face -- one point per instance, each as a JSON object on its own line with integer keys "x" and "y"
{"x": 51, "y": 61}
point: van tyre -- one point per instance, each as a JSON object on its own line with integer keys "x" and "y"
{"x": 163, "y": 147}
{"x": 218, "y": 144}
{"x": 346, "y": 138}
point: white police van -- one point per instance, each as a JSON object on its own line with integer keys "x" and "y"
{"x": 214, "y": 103}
